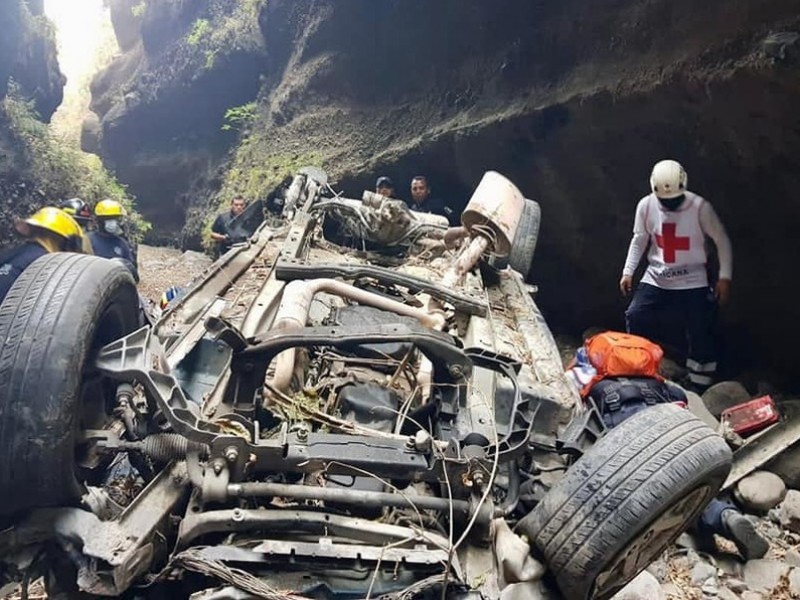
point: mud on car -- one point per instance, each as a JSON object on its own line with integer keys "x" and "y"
{"x": 351, "y": 403}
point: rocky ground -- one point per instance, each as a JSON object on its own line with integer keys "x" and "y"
{"x": 162, "y": 267}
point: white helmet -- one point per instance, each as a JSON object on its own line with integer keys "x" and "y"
{"x": 668, "y": 179}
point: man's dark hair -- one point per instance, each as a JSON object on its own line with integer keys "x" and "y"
{"x": 421, "y": 178}
{"x": 235, "y": 198}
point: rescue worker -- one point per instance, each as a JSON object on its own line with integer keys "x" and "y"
{"x": 384, "y": 187}
{"x": 422, "y": 200}
{"x": 82, "y": 213}
{"x": 47, "y": 230}
{"x": 221, "y": 228}
{"x": 78, "y": 210}
{"x": 618, "y": 399}
{"x": 674, "y": 294}
{"x": 107, "y": 240}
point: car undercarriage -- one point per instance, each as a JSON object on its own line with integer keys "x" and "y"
{"x": 349, "y": 404}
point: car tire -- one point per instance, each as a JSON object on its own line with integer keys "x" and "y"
{"x": 56, "y": 315}
{"x": 525, "y": 239}
{"x": 621, "y": 504}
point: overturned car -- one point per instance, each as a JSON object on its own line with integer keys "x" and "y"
{"x": 356, "y": 402}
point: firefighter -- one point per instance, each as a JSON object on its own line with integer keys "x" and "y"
{"x": 107, "y": 240}
{"x": 82, "y": 213}
{"x": 47, "y": 230}
{"x": 674, "y": 294}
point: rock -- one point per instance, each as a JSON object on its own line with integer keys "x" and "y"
{"x": 764, "y": 574}
{"x": 729, "y": 564}
{"x": 760, "y": 491}
{"x": 790, "y": 511}
{"x": 698, "y": 409}
{"x": 670, "y": 590}
{"x": 643, "y": 587}
{"x": 749, "y": 595}
{"x": 792, "y": 557}
{"x": 794, "y": 583}
{"x": 710, "y": 587}
{"x": 737, "y": 586}
{"x": 671, "y": 370}
{"x": 725, "y": 593}
{"x": 724, "y": 394}
{"x": 658, "y": 569}
{"x": 685, "y": 540}
{"x": 782, "y": 46}
{"x": 702, "y": 572}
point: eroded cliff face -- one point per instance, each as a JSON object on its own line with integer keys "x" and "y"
{"x": 572, "y": 100}
{"x": 28, "y": 58}
{"x": 28, "y": 55}
{"x": 161, "y": 103}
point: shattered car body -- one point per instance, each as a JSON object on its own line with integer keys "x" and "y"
{"x": 345, "y": 406}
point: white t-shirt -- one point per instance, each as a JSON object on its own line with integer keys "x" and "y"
{"x": 676, "y": 256}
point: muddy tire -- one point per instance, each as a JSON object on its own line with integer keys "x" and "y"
{"x": 61, "y": 309}
{"x": 526, "y": 238}
{"x": 619, "y": 506}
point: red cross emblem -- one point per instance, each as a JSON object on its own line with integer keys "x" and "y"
{"x": 670, "y": 243}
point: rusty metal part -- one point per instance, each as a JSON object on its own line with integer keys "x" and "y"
{"x": 364, "y": 499}
{"x": 195, "y": 525}
{"x": 760, "y": 450}
{"x": 219, "y": 278}
{"x": 495, "y": 207}
{"x": 117, "y": 552}
{"x": 293, "y": 314}
{"x": 291, "y": 270}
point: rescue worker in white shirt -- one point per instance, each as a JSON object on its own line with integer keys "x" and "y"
{"x": 107, "y": 241}
{"x": 47, "y": 230}
{"x": 674, "y": 294}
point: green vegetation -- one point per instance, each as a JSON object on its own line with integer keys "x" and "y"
{"x": 57, "y": 169}
{"x": 138, "y": 9}
{"x": 239, "y": 117}
{"x": 200, "y": 30}
{"x": 222, "y": 32}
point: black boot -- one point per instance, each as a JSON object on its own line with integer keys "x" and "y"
{"x": 742, "y": 532}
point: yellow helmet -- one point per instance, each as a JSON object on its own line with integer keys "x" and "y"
{"x": 52, "y": 219}
{"x": 55, "y": 221}
{"x": 109, "y": 208}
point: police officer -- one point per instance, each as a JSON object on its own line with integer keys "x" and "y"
{"x": 221, "y": 228}
{"x": 82, "y": 213}
{"x": 107, "y": 240}
{"x": 47, "y": 230}
{"x": 674, "y": 295}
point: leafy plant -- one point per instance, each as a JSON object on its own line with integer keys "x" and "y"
{"x": 138, "y": 10}
{"x": 239, "y": 117}
{"x": 200, "y": 30}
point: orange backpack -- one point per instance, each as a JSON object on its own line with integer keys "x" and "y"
{"x": 615, "y": 354}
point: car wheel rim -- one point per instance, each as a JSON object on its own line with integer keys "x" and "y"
{"x": 643, "y": 549}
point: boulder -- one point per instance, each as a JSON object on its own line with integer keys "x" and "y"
{"x": 760, "y": 491}
{"x": 724, "y": 394}
{"x": 702, "y": 572}
{"x": 763, "y": 575}
{"x": 643, "y": 587}
{"x": 789, "y": 513}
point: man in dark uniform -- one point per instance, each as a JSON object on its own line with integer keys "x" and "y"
{"x": 384, "y": 187}
{"x": 422, "y": 201}
{"x": 220, "y": 230}
{"x": 47, "y": 230}
{"x": 107, "y": 241}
